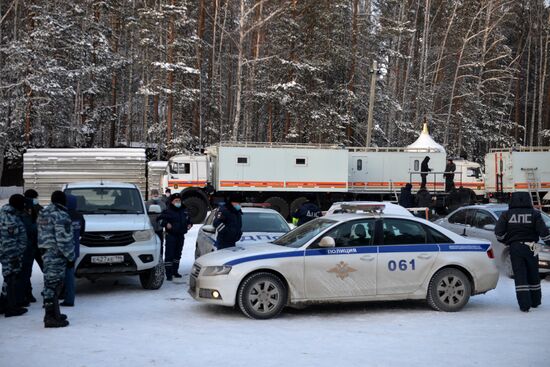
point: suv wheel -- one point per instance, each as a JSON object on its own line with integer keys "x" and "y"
{"x": 152, "y": 278}
{"x": 449, "y": 290}
{"x": 262, "y": 296}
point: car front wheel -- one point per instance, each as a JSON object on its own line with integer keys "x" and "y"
{"x": 152, "y": 278}
{"x": 449, "y": 290}
{"x": 262, "y": 296}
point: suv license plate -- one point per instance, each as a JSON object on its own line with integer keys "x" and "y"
{"x": 107, "y": 259}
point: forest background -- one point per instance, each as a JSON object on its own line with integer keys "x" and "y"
{"x": 179, "y": 75}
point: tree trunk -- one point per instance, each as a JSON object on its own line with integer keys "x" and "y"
{"x": 170, "y": 76}
{"x": 237, "y": 117}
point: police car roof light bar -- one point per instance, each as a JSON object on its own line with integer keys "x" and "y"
{"x": 255, "y": 205}
{"x": 367, "y": 208}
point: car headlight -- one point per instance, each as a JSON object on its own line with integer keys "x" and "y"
{"x": 143, "y": 235}
{"x": 216, "y": 270}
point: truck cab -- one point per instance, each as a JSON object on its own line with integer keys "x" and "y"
{"x": 119, "y": 238}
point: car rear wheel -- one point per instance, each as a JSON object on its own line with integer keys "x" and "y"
{"x": 262, "y": 296}
{"x": 449, "y": 290}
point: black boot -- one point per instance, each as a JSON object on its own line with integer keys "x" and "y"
{"x": 175, "y": 268}
{"x": 168, "y": 270}
{"x": 51, "y": 319}
{"x": 12, "y": 309}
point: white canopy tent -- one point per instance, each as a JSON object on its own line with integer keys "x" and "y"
{"x": 425, "y": 141}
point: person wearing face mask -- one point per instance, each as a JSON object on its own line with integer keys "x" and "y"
{"x": 228, "y": 223}
{"x": 156, "y": 200}
{"x": 176, "y": 222}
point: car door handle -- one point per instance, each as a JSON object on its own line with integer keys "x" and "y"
{"x": 425, "y": 256}
{"x": 367, "y": 258}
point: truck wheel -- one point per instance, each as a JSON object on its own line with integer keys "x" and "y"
{"x": 279, "y": 204}
{"x": 262, "y": 296}
{"x": 449, "y": 290}
{"x": 152, "y": 278}
{"x": 296, "y": 204}
{"x": 197, "y": 208}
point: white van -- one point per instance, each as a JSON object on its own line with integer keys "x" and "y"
{"x": 119, "y": 238}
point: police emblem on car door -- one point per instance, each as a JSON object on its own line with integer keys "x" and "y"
{"x": 346, "y": 270}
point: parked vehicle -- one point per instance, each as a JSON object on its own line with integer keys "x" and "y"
{"x": 284, "y": 174}
{"x": 518, "y": 169}
{"x": 478, "y": 221}
{"x": 119, "y": 237}
{"x": 348, "y": 258}
{"x": 259, "y": 225}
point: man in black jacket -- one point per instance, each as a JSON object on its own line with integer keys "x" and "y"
{"x": 424, "y": 169}
{"x": 406, "y": 198}
{"x": 449, "y": 175}
{"x": 228, "y": 223}
{"x": 520, "y": 227}
{"x": 176, "y": 222}
{"x": 307, "y": 211}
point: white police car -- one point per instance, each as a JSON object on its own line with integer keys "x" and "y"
{"x": 260, "y": 225}
{"x": 348, "y": 258}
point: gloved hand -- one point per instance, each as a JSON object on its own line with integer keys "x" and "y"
{"x": 70, "y": 264}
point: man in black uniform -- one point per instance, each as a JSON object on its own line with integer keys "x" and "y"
{"x": 424, "y": 170}
{"x": 449, "y": 175}
{"x": 520, "y": 227}
{"x": 307, "y": 211}
{"x": 228, "y": 222}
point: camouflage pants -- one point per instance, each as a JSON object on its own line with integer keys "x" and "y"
{"x": 54, "y": 272}
{"x": 8, "y": 268}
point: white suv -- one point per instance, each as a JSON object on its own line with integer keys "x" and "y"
{"x": 119, "y": 237}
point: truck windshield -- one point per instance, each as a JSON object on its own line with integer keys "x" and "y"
{"x": 301, "y": 235}
{"x": 107, "y": 200}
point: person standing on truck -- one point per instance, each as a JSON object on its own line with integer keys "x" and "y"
{"x": 449, "y": 175}
{"x": 406, "y": 198}
{"x": 55, "y": 241}
{"x": 307, "y": 211}
{"x": 13, "y": 243}
{"x": 156, "y": 200}
{"x": 424, "y": 169}
{"x": 520, "y": 228}
{"x": 228, "y": 223}
{"x": 176, "y": 222}
{"x": 78, "y": 227}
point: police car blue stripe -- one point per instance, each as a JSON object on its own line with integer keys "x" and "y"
{"x": 366, "y": 249}
{"x": 467, "y": 247}
{"x": 266, "y": 256}
{"x": 408, "y": 248}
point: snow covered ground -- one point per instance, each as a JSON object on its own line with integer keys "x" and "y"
{"x": 116, "y": 323}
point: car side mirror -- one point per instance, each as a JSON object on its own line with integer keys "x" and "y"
{"x": 208, "y": 228}
{"x": 327, "y": 242}
{"x": 154, "y": 209}
{"x": 489, "y": 227}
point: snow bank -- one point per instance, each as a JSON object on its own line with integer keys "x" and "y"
{"x": 116, "y": 323}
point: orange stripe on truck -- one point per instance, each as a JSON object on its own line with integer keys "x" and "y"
{"x": 333, "y": 185}
{"x": 251, "y": 184}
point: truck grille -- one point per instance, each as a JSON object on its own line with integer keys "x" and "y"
{"x": 107, "y": 239}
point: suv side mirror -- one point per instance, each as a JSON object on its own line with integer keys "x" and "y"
{"x": 154, "y": 209}
{"x": 327, "y": 242}
{"x": 209, "y": 228}
{"x": 489, "y": 227}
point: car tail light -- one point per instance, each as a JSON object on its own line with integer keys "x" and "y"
{"x": 490, "y": 253}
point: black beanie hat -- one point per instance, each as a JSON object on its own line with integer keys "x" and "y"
{"x": 58, "y": 197}
{"x": 17, "y": 201}
{"x": 31, "y": 193}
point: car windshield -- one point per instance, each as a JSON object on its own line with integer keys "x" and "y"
{"x": 264, "y": 222}
{"x": 107, "y": 200}
{"x": 498, "y": 213}
{"x": 301, "y": 235}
